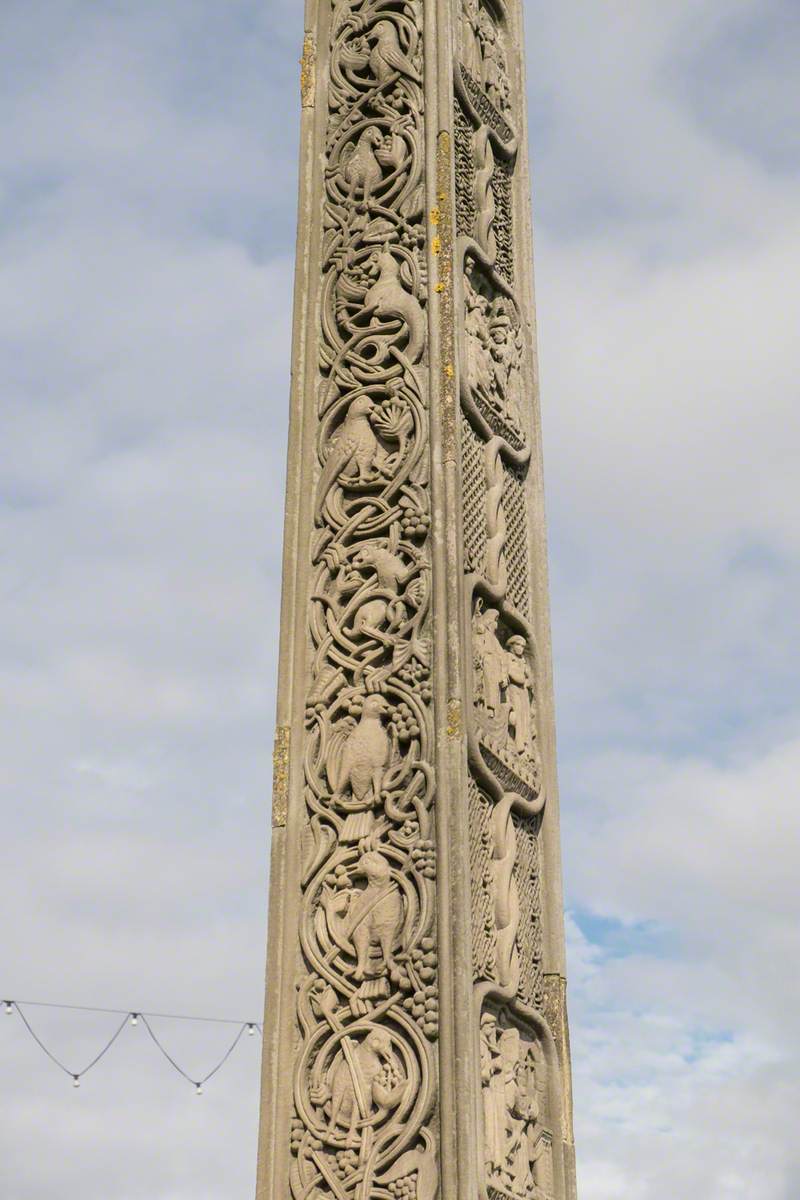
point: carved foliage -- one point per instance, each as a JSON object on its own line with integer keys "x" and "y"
{"x": 367, "y": 1002}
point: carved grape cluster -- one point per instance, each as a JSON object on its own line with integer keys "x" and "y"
{"x": 423, "y": 857}
{"x": 338, "y": 878}
{"x": 403, "y": 1189}
{"x": 424, "y": 1007}
{"x": 299, "y": 1135}
{"x": 414, "y": 672}
{"x": 388, "y": 1076}
{"x": 414, "y": 521}
{"x": 425, "y": 959}
{"x": 422, "y": 962}
{"x": 409, "y": 830}
{"x": 404, "y": 723}
{"x": 346, "y": 1162}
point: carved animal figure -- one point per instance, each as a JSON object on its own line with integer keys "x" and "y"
{"x": 387, "y": 58}
{"x": 388, "y": 298}
{"x": 353, "y": 449}
{"x": 361, "y": 168}
{"x": 391, "y": 572}
{"x": 359, "y": 1090}
{"x": 358, "y": 758}
{"x": 375, "y": 915}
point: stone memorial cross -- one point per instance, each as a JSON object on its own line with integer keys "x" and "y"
{"x": 416, "y": 1040}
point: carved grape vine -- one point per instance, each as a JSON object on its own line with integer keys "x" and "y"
{"x": 367, "y": 996}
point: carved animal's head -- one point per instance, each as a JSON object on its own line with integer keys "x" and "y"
{"x": 375, "y": 706}
{"x": 372, "y": 136}
{"x": 360, "y": 406}
{"x": 367, "y": 556}
{"x": 374, "y": 866}
{"x": 382, "y": 260}
{"x": 383, "y": 29}
{"x": 379, "y": 1041}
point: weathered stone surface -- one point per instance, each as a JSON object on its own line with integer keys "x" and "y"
{"x": 415, "y": 1032}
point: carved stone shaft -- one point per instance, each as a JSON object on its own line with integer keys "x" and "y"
{"x": 416, "y": 1040}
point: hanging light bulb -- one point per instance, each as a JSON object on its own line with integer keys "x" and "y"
{"x": 134, "y": 1018}
{"x": 9, "y": 1008}
{"x": 198, "y": 1091}
{"x": 251, "y": 1030}
{"x": 76, "y": 1081}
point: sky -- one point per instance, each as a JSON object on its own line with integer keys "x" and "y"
{"x": 147, "y": 212}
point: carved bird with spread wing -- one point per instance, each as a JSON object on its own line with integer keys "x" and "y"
{"x": 358, "y": 755}
{"x": 387, "y": 58}
{"x": 353, "y": 449}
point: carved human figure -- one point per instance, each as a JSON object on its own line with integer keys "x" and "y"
{"x": 520, "y": 694}
{"x": 470, "y": 49}
{"x": 512, "y": 1132}
{"x": 479, "y": 367}
{"x": 492, "y": 1092}
{"x": 491, "y": 671}
{"x": 365, "y": 1083}
{"x": 520, "y": 1110}
{"x": 504, "y": 340}
{"x": 494, "y": 73}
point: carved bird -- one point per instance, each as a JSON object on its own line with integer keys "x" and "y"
{"x": 353, "y": 449}
{"x": 358, "y": 758}
{"x": 387, "y": 58}
{"x": 362, "y": 168}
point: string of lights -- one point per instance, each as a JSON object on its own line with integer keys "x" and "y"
{"x": 130, "y": 1017}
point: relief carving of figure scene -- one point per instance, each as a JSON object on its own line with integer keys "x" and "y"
{"x": 504, "y": 693}
{"x": 494, "y": 348}
{"x": 517, "y": 1145}
{"x": 483, "y": 54}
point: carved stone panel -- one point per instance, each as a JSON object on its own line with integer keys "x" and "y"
{"x": 528, "y": 881}
{"x": 493, "y": 351}
{"x": 367, "y": 997}
{"x": 515, "y": 510}
{"x": 517, "y": 1129}
{"x": 504, "y": 698}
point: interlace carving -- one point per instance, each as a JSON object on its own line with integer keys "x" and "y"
{"x": 504, "y": 220}
{"x": 464, "y": 171}
{"x": 367, "y": 1000}
{"x": 527, "y": 873}
{"x": 480, "y": 865}
{"x": 516, "y": 516}
{"x": 473, "y": 498}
